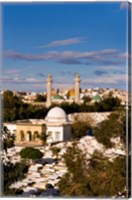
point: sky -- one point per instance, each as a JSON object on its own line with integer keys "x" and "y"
{"x": 63, "y": 39}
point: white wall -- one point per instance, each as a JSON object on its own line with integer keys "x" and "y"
{"x": 55, "y": 129}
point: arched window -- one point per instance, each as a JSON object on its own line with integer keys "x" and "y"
{"x": 22, "y": 138}
{"x": 29, "y": 136}
{"x": 36, "y": 135}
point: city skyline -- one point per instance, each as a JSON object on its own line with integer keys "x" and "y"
{"x": 63, "y": 39}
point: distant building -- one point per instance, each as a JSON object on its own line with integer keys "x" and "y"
{"x": 96, "y": 98}
{"x": 76, "y": 90}
{"x": 58, "y": 98}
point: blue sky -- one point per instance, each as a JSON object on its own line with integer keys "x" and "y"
{"x": 63, "y": 39}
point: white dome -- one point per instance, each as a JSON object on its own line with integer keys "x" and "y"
{"x": 56, "y": 114}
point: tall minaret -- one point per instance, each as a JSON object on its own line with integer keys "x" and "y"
{"x": 77, "y": 88}
{"x": 49, "y": 88}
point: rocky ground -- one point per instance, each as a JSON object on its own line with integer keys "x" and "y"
{"x": 48, "y": 171}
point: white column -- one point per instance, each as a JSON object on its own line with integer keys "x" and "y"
{"x": 77, "y": 88}
{"x": 49, "y": 89}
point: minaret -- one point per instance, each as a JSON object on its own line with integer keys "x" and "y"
{"x": 49, "y": 88}
{"x": 77, "y": 88}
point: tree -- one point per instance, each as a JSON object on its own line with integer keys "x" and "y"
{"x": 114, "y": 126}
{"x": 55, "y": 151}
{"x": 43, "y": 136}
{"x": 86, "y": 99}
{"x": 96, "y": 177}
{"x": 12, "y": 173}
{"x": 31, "y": 153}
{"x": 107, "y": 178}
{"x": 70, "y": 108}
{"x": 40, "y": 98}
{"x": 14, "y": 108}
{"x": 110, "y": 104}
{"x": 79, "y": 129}
{"x": 7, "y": 138}
{"x": 11, "y": 106}
{"x": 74, "y": 182}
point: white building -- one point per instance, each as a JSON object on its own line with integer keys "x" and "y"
{"x": 58, "y": 127}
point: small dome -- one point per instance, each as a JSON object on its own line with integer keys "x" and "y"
{"x": 71, "y": 92}
{"x": 96, "y": 98}
{"x": 56, "y": 114}
{"x": 58, "y": 97}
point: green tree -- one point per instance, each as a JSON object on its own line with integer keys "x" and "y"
{"x": 55, "y": 151}
{"x": 96, "y": 177}
{"x": 107, "y": 178}
{"x": 114, "y": 126}
{"x": 43, "y": 136}
{"x": 110, "y": 104}
{"x": 40, "y": 98}
{"x": 74, "y": 182}
{"x": 13, "y": 173}
{"x": 31, "y": 153}
{"x": 79, "y": 129}
{"x": 7, "y": 138}
{"x": 11, "y": 106}
{"x": 86, "y": 99}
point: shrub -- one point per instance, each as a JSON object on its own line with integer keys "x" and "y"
{"x": 112, "y": 127}
{"x": 13, "y": 173}
{"x": 99, "y": 177}
{"x": 10, "y": 143}
{"x": 80, "y": 129}
{"x": 55, "y": 151}
{"x": 48, "y": 185}
{"x": 31, "y": 153}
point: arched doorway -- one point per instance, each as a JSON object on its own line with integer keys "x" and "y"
{"x": 36, "y": 135}
{"x": 22, "y": 137}
{"x": 29, "y": 136}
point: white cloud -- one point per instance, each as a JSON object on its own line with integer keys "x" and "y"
{"x": 63, "y": 42}
{"x": 11, "y": 71}
{"x": 108, "y": 67}
{"x": 102, "y": 57}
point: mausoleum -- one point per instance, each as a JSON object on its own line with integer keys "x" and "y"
{"x": 56, "y": 125}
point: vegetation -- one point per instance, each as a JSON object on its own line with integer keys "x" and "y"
{"x": 86, "y": 99}
{"x": 114, "y": 126}
{"x": 31, "y": 153}
{"x": 10, "y": 177}
{"x": 55, "y": 151}
{"x": 101, "y": 177}
{"x": 9, "y": 143}
{"x": 14, "y": 108}
{"x": 80, "y": 129}
{"x": 40, "y": 98}
{"x": 43, "y": 136}
{"x": 8, "y": 139}
{"x": 48, "y": 185}
{"x": 107, "y": 178}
